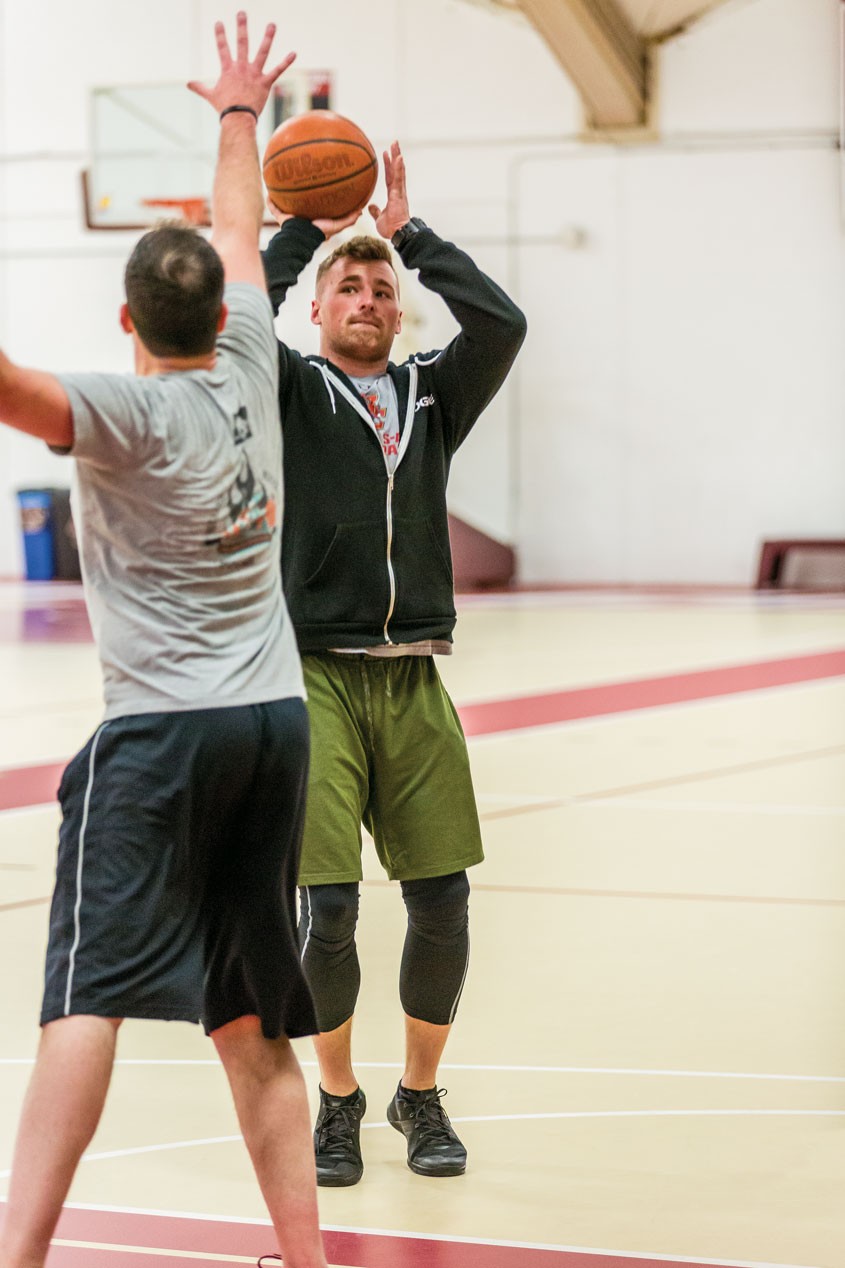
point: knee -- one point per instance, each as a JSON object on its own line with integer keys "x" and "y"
{"x": 329, "y": 913}
{"x": 438, "y": 907}
{"x": 243, "y": 1048}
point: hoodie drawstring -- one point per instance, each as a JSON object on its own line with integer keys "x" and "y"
{"x": 329, "y": 388}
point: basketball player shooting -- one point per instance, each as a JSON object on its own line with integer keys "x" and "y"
{"x": 368, "y": 579}
{"x": 181, "y": 816}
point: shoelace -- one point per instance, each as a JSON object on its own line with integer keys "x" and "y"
{"x": 337, "y": 1126}
{"x": 431, "y": 1119}
{"x": 265, "y": 1259}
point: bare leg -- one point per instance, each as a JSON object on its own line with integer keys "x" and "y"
{"x": 272, "y": 1107}
{"x": 424, "y": 1044}
{"x": 334, "y": 1054}
{"x": 416, "y": 1110}
{"x": 61, "y": 1110}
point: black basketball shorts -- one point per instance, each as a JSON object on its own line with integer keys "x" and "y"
{"x": 175, "y": 888}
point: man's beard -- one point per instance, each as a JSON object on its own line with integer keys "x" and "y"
{"x": 362, "y": 342}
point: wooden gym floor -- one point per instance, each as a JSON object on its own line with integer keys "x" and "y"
{"x": 648, "y": 1067}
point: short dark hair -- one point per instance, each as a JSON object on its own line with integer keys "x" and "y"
{"x": 174, "y": 290}
{"x": 361, "y": 247}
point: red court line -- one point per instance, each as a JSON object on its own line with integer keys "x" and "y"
{"x": 34, "y": 785}
{"x": 102, "y": 1257}
{"x": 351, "y": 1249}
{"x": 492, "y": 716}
{"x": 29, "y": 785}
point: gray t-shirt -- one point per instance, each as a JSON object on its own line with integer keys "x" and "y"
{"x": 178, "y": 508}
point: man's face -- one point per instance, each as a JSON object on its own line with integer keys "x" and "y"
{"x": 357, "y": 310}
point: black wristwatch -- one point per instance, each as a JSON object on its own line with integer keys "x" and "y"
{"x": 402, "y": 236}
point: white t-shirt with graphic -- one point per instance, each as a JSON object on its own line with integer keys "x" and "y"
{"x": 379, "y": 395}
{"x": 178, "y": 507}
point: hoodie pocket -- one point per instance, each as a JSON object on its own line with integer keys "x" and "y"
{"x": 423, "y": 572}
{"x": 349, "y": 585}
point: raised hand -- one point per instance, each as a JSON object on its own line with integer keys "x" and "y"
{"x": 280, "y": 217}
{"x": 331, "y": 227}
{"x": 327, "y": 227}
{"x": 242, "y": 82}
{"x": 396, "y": 212}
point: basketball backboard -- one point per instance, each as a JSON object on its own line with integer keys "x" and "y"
{"x": 153, "y": 148}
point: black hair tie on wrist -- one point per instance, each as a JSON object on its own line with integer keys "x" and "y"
{"x": 232, "y": 109}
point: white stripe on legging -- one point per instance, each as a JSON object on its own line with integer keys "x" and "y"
{"x": 80, "y": 856}
{"x": 460, "y": 988}
{"x": 310, "y": 922}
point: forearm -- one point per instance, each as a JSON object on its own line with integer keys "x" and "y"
{"x": 36, "y": 403}
{"x": 469, "y": 371}
{"x": 481, "y": 308}
{"x": 236, "y": 201}
{"x": 287, "y": 254}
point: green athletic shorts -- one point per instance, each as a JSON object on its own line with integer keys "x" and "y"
{"x": 388, "y": 751}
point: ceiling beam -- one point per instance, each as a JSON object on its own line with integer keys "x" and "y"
{"x": 601, "y": 53}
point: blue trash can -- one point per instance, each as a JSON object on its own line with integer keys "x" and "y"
{"x": 37, "y": 525}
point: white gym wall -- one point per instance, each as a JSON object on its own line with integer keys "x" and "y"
{"x": 681, "y": 394}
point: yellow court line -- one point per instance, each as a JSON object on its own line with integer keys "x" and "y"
{"x": 602, "y": 795}
{"x": 25, "y": 902}
{"x": 715, "y": 772}
{"x": 649, "y": 895}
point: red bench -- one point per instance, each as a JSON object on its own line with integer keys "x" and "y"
{"x": 774, "y": 572}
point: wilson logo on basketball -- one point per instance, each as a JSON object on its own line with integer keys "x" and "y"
{"x": 300, "y": 167}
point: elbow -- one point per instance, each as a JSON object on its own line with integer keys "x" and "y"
{"x": 519, "y": 327}
{"x": 512, "y": 331}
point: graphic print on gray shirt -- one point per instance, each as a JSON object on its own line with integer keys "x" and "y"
{"x": 178, "y": 506}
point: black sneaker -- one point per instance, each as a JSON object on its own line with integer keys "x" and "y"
{"x": 433, "y": 1147}
{"x": 337, "y": 1139}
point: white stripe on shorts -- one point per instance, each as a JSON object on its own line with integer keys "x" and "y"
{"x": 81, "y": 853}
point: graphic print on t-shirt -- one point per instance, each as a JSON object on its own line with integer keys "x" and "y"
{"x": 389, "y": 438}
{"x": 241, "y": 430}
{"x": 251, "y": 512}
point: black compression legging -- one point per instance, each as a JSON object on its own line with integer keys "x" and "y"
{"x": 434, "y": 958}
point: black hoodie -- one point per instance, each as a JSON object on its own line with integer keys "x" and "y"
{"x": 365, "y": 555}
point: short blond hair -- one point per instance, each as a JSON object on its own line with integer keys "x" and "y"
{"x": 361, "y": 247}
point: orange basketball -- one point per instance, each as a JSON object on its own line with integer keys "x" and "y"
{"x": 320, "y": 166}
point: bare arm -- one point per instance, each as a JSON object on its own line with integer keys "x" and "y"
{"x": 237, "y": 199}
{"x": 236, "y": 203}
{"x": 36, "y": 403}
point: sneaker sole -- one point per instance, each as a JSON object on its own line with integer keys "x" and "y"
{"x": 452, "y": 1170}
{"x": 338, "y": 1182}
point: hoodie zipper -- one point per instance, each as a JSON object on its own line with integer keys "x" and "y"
{"x": 391, "y": 576}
